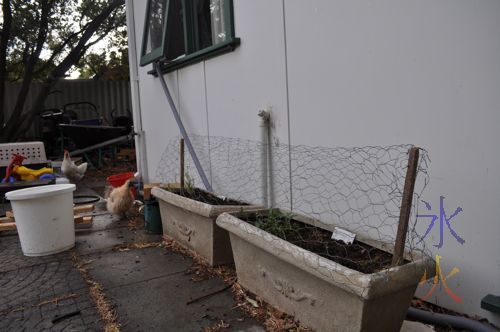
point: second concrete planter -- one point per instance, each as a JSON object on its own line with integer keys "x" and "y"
{"x": 192, "y": 223}
{"x": 321, "y": 293}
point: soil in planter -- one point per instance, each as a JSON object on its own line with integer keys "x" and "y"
{"x": 357, "y": 256}
{"x": 204, "y": 196}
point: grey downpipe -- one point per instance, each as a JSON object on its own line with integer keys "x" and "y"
{"x": 182, "y": 129}
{"x": 448, "y": 320}
{"x": 264, "y": 129}
{"x": 140, "y": 138}
{"x": 267, "y": 156}
{"x": 270, "y": 171}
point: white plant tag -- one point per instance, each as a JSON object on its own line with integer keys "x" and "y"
{"x": 343, "y": 235}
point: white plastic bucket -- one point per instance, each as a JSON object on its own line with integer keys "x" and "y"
{"x": 44, "y": 218}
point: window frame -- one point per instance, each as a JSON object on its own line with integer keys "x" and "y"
{"x": 147, "y": 58}
{"x": 190, "y": 39}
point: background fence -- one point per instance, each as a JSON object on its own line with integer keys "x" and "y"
{"x": 106, "y": 95}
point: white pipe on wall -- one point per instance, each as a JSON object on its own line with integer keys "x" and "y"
{"x": 264, "y": 125}
{"x": 140, "y": 140}
{"x": 266, "y": 158}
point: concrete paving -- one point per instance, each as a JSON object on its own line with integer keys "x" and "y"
{"x": 36, "y": 291}
{"x": 150, "y": 288}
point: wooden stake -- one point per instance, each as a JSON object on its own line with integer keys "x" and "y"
{"x": 404, "y": 215}
{"x": 181, "y": 152}
{"x": 83, "y": 208}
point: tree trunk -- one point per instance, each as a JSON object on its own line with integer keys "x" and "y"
{"x": 15, "y": 118}
{"x": 4, "y": 39}
{"x": 15, "y": 129}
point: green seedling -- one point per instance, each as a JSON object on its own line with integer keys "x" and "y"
{"x": 276, "y": 223}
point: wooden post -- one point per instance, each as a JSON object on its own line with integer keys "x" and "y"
{"x": 404, "y": 215}
{"x": 181, "y": 157}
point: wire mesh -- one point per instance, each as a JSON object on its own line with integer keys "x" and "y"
{"x": 358, "y": 189}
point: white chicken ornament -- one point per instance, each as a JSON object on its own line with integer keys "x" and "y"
{"x": 72, "y": 171}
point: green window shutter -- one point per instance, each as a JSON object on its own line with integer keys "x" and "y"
{"x": 191, "y": 31}
{"x": 153, "y": 38}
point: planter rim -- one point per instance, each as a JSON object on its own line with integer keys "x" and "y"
{"x": 364, "y": 285}
{"x": 200, "y": 208}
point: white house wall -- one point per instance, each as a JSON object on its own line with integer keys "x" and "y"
{"x": 250, "y": 79}
{"x": 421, "y": 72}
{"x": 362, "y": 73}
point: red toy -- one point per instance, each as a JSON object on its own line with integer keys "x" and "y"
{"x": 17, "y": 159}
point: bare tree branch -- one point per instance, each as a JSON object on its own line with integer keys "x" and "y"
{"x": 4, "y": 41}
{"x": 28, "y": 72}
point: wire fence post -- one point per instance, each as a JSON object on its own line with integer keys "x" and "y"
{"x": 181, "y": 158}
{"x": 406, "y": 202}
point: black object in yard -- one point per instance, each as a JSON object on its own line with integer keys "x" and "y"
{"x": 58, "y": 319}
{"x": 87, "y": 135}
{"x": 152, "y": 217}
{"x": 85, "y": 199}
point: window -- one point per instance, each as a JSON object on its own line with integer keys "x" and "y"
{"x": 181, "y": 32}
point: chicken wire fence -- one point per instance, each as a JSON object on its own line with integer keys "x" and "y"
{"x": 359, "y": 189}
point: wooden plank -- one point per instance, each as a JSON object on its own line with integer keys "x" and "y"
{"x": 404, "y": 215}
{"x": 181, "y": 158}
{"x": 147, "y": 189}
{"x": 85, "y": 223}
{"x": 6, "y": 219}
{"x": 8, "y": 226}
{"x": 9, "y": 214}
{"x": 83, "y": 208}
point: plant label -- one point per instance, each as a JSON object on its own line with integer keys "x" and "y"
{"x": 343, "y": 235}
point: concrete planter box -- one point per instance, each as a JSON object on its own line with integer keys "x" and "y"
{"x": 320, "y": 293}
{"x": 192, "y": 223}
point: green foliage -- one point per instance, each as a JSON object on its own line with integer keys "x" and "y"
{"x": 188, "y": 182}
{"x": 109, "y": 64}
{"x": 276, "y": 223}
{"x": 108, "y": 67}
{"x": 41, "y": 40}
{"x": 66, "y": 22}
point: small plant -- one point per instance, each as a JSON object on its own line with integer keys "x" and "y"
{"x": 276, "y": 223}
{"x": 188, "y": 183}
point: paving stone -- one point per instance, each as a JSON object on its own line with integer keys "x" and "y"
{"x": 27, "y": 296}
{"x": 150, "y": 290}
{"x": 92, "y": 241}
{"x": 39, "y": 317}
{"x": 13, "y": 258}
{"x": 37, "y": 283}
{"x": 149, "y": 287}
{"x": 120, "y": 268}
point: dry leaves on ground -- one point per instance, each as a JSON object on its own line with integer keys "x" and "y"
{"x": 104, "y": 307}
